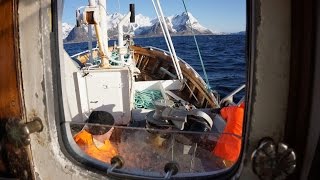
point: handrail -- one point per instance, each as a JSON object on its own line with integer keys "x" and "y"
{"x": 229, "y": 97}
{"x": 82, "y": 52}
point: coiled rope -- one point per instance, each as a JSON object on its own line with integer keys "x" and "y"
{"x": 145, "y": 99}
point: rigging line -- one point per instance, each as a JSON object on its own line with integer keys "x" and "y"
{"x": 195, "y": 40}
{"x": 180, "y": 76}
{"x": 165, "y": 37}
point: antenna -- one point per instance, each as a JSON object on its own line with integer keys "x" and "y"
{"x": 132, "y": 16}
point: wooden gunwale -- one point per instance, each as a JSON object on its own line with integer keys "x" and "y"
{"x": 197, "y": 86}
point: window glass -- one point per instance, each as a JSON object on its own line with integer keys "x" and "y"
{"x": 156, "y": 82}
{"x": 148, "y": 150}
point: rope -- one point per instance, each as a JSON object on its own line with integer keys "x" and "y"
{"x": 144, "y": 99}
{"x": 113, "y": 59}
{"x": 195, "y": 40}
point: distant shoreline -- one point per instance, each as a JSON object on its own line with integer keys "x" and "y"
{"x": 159, "y": 36}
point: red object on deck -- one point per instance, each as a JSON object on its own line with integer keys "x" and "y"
{"x": 103, "y": 153}
{"x": 228, "y": 146}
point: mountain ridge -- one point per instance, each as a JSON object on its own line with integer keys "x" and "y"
{"x": 144, "y": 26}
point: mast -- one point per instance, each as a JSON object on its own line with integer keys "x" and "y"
{"x": 103, "y": 23}
{"x": 95, "y": 14}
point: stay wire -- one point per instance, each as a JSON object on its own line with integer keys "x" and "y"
{"x": 199, "y": 53}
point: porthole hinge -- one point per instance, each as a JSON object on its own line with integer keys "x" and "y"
{"x": 18, "y": 133}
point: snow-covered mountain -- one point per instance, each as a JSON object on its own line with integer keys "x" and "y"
{"x": 144, "y": 26}
{"x": 77, "y": 34}
{"x": 182, "y": 23}
{"x": 177, "y": 25}
{"x": 66, "y": 28}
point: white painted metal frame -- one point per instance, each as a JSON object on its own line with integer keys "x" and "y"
{"x": 107, "y": 90}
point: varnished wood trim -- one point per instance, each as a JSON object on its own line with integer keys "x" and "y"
{"x": 10, "y": 97}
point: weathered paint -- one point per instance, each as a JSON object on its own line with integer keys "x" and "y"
{"x": 270, "y": 74}
{"x": 14, "y": 161}
{"x": 35, "y": 47}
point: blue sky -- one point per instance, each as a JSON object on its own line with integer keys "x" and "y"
{"x": 217, "y": 15}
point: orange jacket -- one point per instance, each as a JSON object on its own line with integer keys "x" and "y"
{"x": 85, "y": 142}
{"x": 228, "y": 146}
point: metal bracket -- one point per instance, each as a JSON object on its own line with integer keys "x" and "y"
{"x": 18, "y": 133}
{"x": 273, "y": 161}
{"x": 171, "y": 169}
{"x": 90, "y": 15}
{"x": 116, "y": 162}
